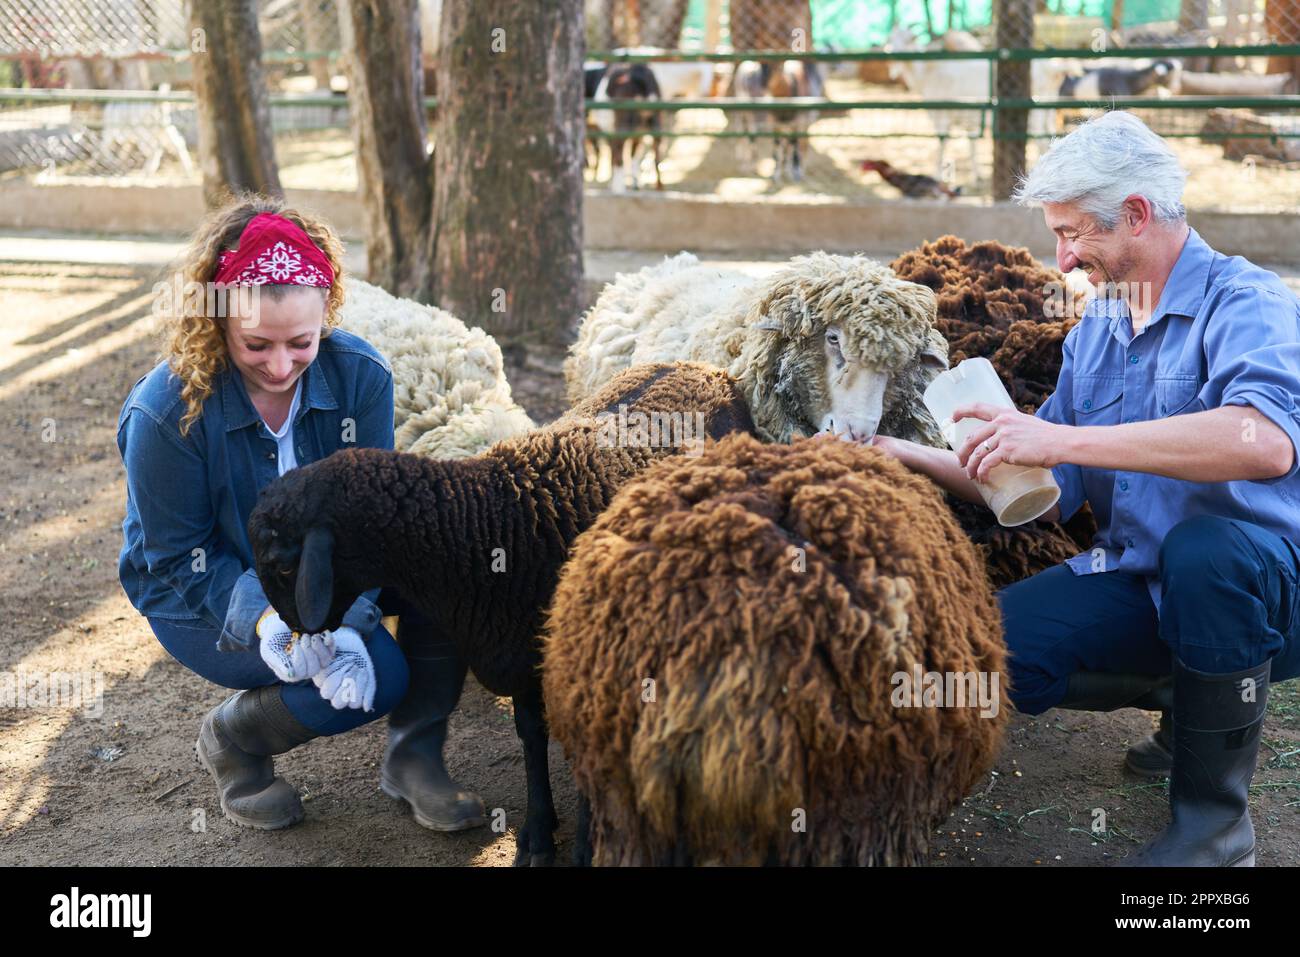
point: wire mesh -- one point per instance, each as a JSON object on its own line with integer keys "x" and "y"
{"x": 860, "y": 105}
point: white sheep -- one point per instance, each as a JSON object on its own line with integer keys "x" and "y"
{"x": 825, "y": 343}
{"x": 450, "y": 395}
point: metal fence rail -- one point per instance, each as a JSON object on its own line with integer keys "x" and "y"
{"x": 712, "y": 143}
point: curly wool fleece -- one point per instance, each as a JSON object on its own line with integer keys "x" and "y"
{"x": 772, "y": 594}
{"x": 887, "y": 323}
{"x": 450, "y": 394}
{"x": 769, "y": 334}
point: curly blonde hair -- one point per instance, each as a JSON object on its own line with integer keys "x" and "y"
{"x": 194, "y": 342}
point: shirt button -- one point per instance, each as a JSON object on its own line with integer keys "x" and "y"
{"x": 1087, "y": 403}
{"x": 1123, "y": 485}
{"x": 1132, "y": 360}
{"x": 1162, "y": 408}
{"x": 1129, "y": 543}
{"x": 270, "y": 455}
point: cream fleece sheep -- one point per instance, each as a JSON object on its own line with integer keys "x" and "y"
{"x": 450, "y": 395}
{"x": 769, "y": 334}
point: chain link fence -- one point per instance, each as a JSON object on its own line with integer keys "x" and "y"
{"x": 759, "y": 98}
{"x": 1230, "y": 113}
{"x": 95, "y": 89}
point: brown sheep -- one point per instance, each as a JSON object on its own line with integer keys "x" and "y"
{"x": 1000, "y": 303}
{"x": 997, "y": 302}
{"x": 724, "y": 647}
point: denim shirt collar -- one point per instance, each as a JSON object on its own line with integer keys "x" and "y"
{"x": 1187, "y": 283}
{"x": 1183, "y": 293}
{"x": 238, "y": 409}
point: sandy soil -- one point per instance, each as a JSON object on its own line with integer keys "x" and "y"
{"x": 120, "y": 786}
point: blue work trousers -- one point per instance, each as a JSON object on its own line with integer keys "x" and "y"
{"x": 1228, "y": 602}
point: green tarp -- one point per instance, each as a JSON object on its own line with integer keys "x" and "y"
{"x": 863, "y": 24}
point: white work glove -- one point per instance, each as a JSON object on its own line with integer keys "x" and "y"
{"x": 349, "y": 680}
{"x": 292, "y": 657}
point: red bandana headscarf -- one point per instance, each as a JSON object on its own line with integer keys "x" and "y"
{"x": 274, "y": 250}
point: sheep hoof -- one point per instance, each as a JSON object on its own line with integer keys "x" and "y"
{"x": 529, "y": 855}
{"x": 526, "y": 858}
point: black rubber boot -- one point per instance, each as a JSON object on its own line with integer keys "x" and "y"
{"x": 1153, "y": 756}
{"x": 413, "y": 767}
{"x": 1216, "y": 744}
{"x": 236, "y": 741}
{"x": 1102, "y": 691}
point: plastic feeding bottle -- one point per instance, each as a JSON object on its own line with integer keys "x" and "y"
{"x": 1016, "y": 493}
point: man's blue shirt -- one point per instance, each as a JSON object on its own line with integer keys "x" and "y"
{"x": 186, "y": 553}
{"x": 1224, "y": 332}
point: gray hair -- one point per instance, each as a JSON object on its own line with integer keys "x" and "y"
{"x": 1101, "y": 163}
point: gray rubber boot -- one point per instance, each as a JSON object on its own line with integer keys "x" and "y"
{"x": 236, "y": 741}
{"x": 417, "y": 729}
{"x": 1102, "y": 691}
{"x": 1216, "y": 745}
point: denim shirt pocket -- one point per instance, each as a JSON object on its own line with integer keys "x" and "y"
{"x": 1174, "y": 395}
{"x": 1096, "y": 399}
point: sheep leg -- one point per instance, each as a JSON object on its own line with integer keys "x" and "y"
{"x": 582, "y": 835}
{"x": 535, "y": 844}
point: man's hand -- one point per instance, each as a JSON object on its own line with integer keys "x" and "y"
{"x": 1007, "y": 437}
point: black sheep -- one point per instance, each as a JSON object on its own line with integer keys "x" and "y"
{"x": 477, "y": 544}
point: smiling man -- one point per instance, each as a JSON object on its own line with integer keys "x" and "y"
{"x": 1175, "y": 417}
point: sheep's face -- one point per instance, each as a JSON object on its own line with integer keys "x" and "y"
{"x": 838, "y": 344}
{"x": 854, "y": 393}
{"x": 295, "y": 554}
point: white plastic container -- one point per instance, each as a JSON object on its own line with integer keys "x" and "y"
{"x": 1016, "y": 493}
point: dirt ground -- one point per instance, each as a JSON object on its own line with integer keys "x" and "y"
{"x": 121, "y": 787}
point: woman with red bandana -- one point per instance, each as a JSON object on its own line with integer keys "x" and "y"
{"x": 256, "y": 380}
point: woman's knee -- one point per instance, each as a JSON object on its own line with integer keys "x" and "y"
{"x": 193, "y": 645}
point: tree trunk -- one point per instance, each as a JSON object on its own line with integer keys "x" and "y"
{"x": 507, "y": 239}
{"x": 1013, "y": 23}
{"x": 236, "y": 151}
{"x": 770, "y": 24}
{"x": 385, "y": 100}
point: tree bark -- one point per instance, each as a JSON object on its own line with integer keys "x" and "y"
{"x": 385, "y": 98}
{"x": 1013, "y": 23}
{"x": 508, "y": 167}
{"x": 236, "y": 151}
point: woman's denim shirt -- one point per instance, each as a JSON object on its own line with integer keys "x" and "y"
{"x": 186, "y": 553}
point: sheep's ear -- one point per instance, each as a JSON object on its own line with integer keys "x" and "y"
{"x": 935, "y": 352}
{"x": 314, "y": 592}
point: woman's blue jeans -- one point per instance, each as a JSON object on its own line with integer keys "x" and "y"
{"x": 1229, "y": 599}
{"x": 193, "y": 642}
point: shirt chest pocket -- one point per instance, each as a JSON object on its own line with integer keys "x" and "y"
{"x": 1097, "y": 399}
{"x": 1175, "y": 395}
